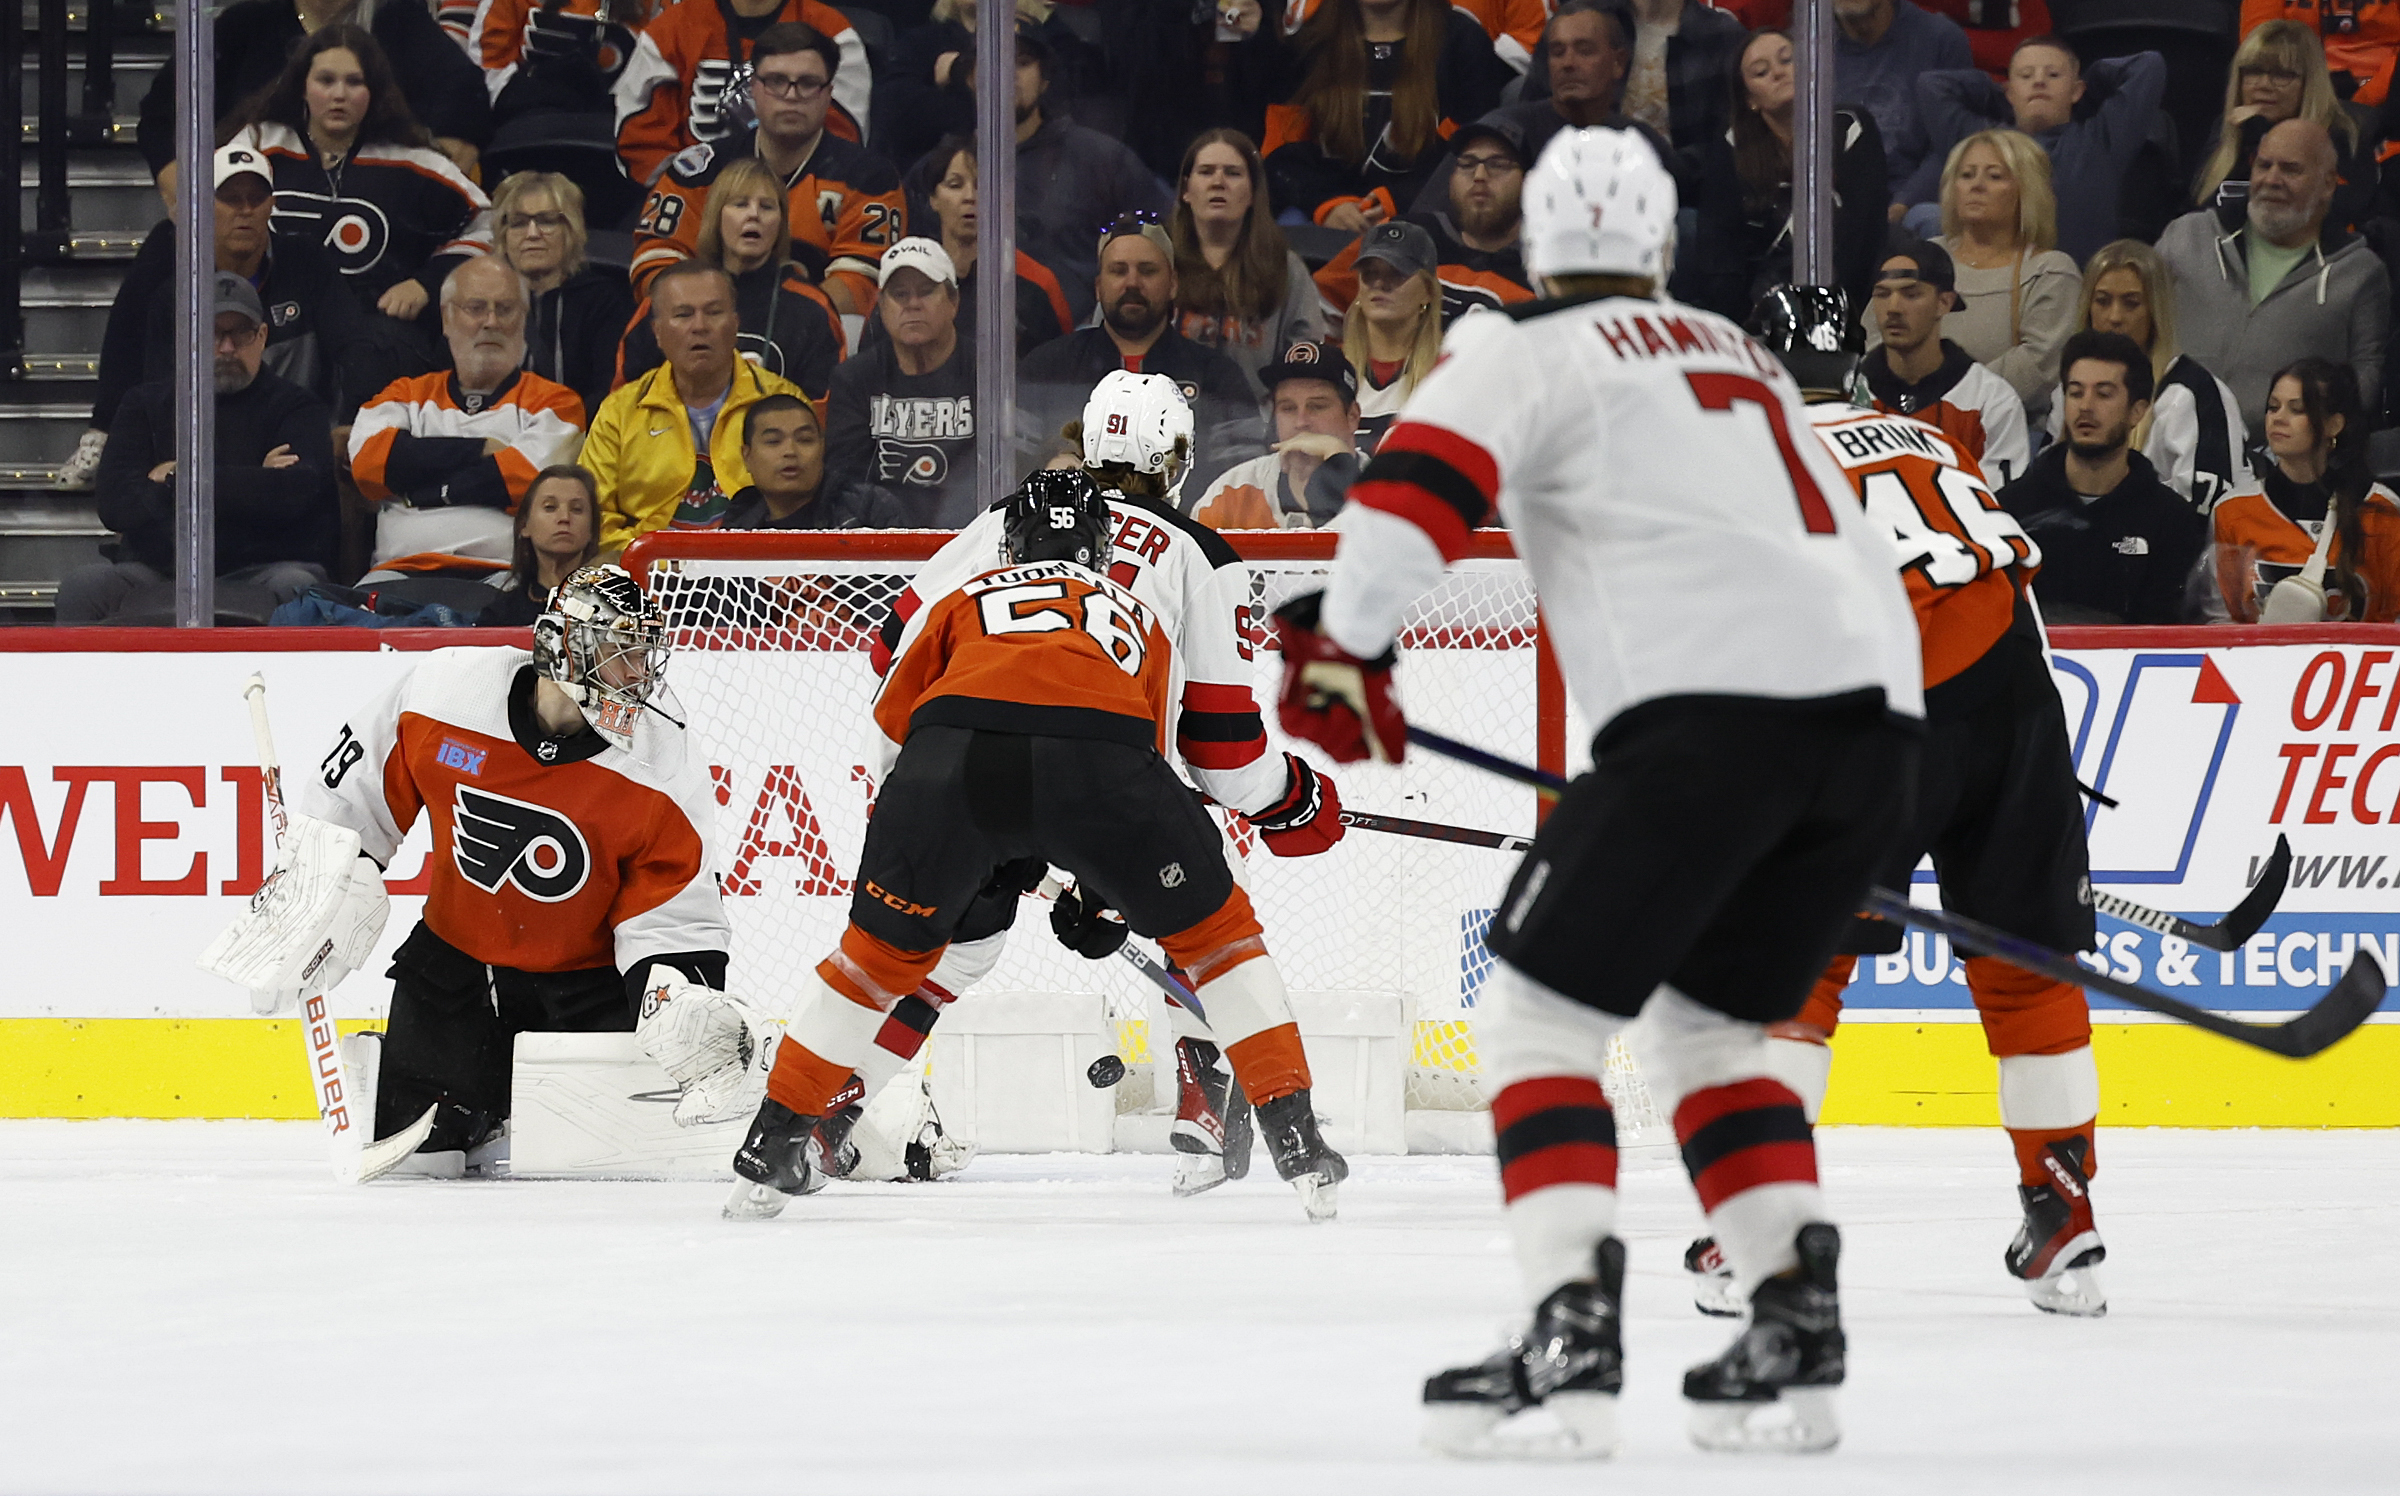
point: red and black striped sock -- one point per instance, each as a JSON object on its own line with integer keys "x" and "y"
{"x": 1742, "y": 1136}
{"x": 1556, "y": 1129}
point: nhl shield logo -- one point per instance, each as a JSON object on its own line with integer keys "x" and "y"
{"x": 1171, "y": 876}
{"x": 495, "y": 840}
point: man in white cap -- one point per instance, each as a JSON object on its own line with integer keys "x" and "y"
{"x": 901, "y": 415}
{"x": 1735, "y": 630}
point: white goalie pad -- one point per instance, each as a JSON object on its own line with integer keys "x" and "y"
{"x": 901, "y": 1115}
{"x": 314, "y": 919}
{"x": 716, "y": 1048}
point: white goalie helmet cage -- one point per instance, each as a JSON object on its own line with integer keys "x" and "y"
{"x": 1599, "y": 202}
{"x": 604, "y": 642}
{"x": 1140, "y": 420}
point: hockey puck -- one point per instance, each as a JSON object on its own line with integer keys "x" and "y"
{"x": 1106, "y": 1071}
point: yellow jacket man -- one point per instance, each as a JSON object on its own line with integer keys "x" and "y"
{"x": 667, "y": 447}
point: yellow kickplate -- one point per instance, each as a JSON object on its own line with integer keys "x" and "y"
{"x": 157, "y": 1067}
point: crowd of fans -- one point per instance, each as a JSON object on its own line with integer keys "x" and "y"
{"x": 463, "y": 344}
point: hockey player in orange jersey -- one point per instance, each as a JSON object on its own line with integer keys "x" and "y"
{"x": 1028, "y": 712}
{"x": 1997, "y": 802}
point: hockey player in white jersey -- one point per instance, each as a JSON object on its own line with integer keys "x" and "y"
{"x": 1738, "y": 636}
{"x": 1137, "y": 440}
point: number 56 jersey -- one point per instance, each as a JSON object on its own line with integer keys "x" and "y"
{"x": 549, "y": 854}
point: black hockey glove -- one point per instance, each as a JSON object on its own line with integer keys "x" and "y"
{"x": 1086, "y": 926}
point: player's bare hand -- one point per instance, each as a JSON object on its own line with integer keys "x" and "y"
{"x": 403, "y": 301}
{"x": 163, "y": 471}
{"x": 281, "y": 457}
{"x": 462, "y": 153}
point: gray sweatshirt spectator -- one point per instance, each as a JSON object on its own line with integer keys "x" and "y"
{"x": 1881, "y": 48}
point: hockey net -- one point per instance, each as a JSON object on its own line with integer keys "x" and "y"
{"x": 772, "y": 631}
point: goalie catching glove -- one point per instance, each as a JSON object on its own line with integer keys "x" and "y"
{"x": 311, "y": 923}
{"x": 1307, "y": 820}
{"x": 716, "y": 1048}
{"x": 1332, "y": 698}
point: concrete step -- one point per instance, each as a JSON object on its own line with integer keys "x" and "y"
{"x": 130, "y": 72}
{"x": 35, "y": 437}
{"x": 107, "y": 192}
{"x": 62, "y": 329}
{"x": 43, "y": 536}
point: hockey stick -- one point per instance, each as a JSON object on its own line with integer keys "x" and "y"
{"x": 2227, "y": 934}
{"x": 1138, "y": 959}
{"x": 2335, "y": 1015}
{"x": 355, "y": 1159}
{"x": 1435, "y": 831}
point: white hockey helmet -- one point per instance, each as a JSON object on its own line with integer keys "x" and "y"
{"x": 1138, "y": 420}
{"x": 604, "y": 642}
{"x": 1599, "y": 203}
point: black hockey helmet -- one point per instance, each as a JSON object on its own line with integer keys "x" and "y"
{"x": 1810, "y": 328}
{"x": 1059, "y": 514}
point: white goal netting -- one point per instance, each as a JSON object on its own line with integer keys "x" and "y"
{"x": 772, "y": 631}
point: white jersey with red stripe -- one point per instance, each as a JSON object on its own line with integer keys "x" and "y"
{"x": 1687, "y": 533}
{"x": 1198, "y": 589}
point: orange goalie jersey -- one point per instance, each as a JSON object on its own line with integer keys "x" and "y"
{"x": 1966, "y": 561}
{"x": 1046, "y": 649}
{"x": 549, "y": 854}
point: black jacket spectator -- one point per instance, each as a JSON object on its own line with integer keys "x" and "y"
{"x": 1165, "y": 56}
{"x": 263, "y": 514}
{"x": 572, "y": 331}
{"x": 1538, "y": 121}
{"x": 1744, "y": 241}
{"x": 908, "y": 439}
{"x": 1056, "y": 379}
{"x": 912, "y": 112}
{"x": 254, "y": 38}
{"x": 2126, "y": 556}
{"x": 788, "y": 328}
{"x": 1468, "y": 77}
{"x": 864, "y": 507}
{"x": 313, "y": 326}
{"x": 1699, "y": 59}
{"x": 1072, "y": 182}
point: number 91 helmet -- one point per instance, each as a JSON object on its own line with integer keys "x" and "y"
{"x": 1141, "y": 421}
{"x": 1059, "y": 515}
{"x": 605, "y": 644}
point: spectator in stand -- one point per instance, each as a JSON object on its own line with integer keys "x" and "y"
{"x": 672, "y": 93}
{"x": 1239, "y": 287}
{"x": 277, "y": 520}
{"x": 667, "y": 447}
{"x": 312, "y": 322}
{"x": 1301, "y": 483}
{"x": 844, "y": 203}
{"x": 355, "y": 171}
{"x": 1683, "y": 61}
{"x": 1743, "y": 244}
{"x": 254, "y": 39}
{"x": 1198, "y": 67}
{"x": 557, "y": 531}
{"x": 927, "y": 90}
{"x": 2262, "y": 283}
{"x": 1881, "y": 50}
{"x": 2089, "y": 149}
{"x": 2118, "y": 545}
{"x": 1392, "y": 333}
{"x": 1914, "y": 371}
{"x": 2279, "y": 74}
{"x": 2266, "y": 536}
{"x": 579, "y": 309}
{"x": 788, "y": 327}
{"x": 446, "y": 456}
{"x": 1578, "y": 79}
{"x": 1381, "y": 83}
{"x": 2361, "y": 40}
{"x": 1477, "y": 239}
{"x": 2193, "y": 435}
{"x": 1072, "y": 182}
{"x": 900, "y": 423}
{"x": 945, "y": 180}
{"x": 1137, "y": 296}
{"x": 539, "y": 57}
{"x": 785, "y": 448}
{"x": 2016, "y": 292}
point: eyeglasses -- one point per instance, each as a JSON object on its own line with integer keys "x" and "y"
{"x": 548, "y": 223}
{"x": 1132, "y": 222}
{"x": 1495, "y": 166}
{"x": 2272, "y": 75}
{"x": 489, "y": 311}
{"x": 790, "y": 88}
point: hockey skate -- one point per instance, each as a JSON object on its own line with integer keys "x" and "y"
{"x": 1570, "y": 1365}
{"x": 1713, "y": 1290}
{"x": 2058, "y": 1251}
{"x": 777, "y": 1161}
{"x": 1773, "y": 1388}
{"x": 1199, "y": 1135}
{"x": 1289, "y": 1125}
{"x": 837, "y": 1152}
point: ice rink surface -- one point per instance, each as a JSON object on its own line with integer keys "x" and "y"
{"x": 195, "y": 1307}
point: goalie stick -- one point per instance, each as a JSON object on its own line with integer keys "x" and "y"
{"x": 2335, "y": 1015}
{"x": 355, "y": 1159}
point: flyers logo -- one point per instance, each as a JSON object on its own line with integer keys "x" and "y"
{"x": 496, "y": 840}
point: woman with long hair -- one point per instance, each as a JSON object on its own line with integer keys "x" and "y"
{"x": 2016, "y": 292}
{"x": 1381, "y": 83}
{"x": 1392, "y": 333}
{"x": 579, "y": 310}
{"x": 2278, "y": 74}
{"x": 789, "y": 327}
{"x": 2193, "y": 435}
{"x": 354, "y": 167}
{"x": 558, "y": 530}
{"x": 944, "y": 181}
{"x": 1744, "y": 241}
{"x": 2318, "y": 499}
{"x": 1239, "y": 287}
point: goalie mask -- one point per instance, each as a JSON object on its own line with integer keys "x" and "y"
{"x": 605, "y": 645}
{"x": 1059, "y": 515}
{"x": 1141, "y": 421}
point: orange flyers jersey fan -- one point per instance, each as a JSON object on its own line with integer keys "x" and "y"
{"x": 595, "y": 857}
{"x": 844, "y": 205}
{"x": 1965, "y": 559}
{"x": 2258, "y": 546}
{"x": 1046, "y": 649}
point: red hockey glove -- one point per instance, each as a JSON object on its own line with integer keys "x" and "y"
{"x": 1332, "y": 698}
{"x": 1308, "y": 818}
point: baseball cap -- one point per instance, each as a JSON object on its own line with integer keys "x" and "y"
{"x": 1138, "y": 225}
{"x": 1500, "y": 127}
{"x": 1313, "y": 361}
{"x": 240, "y": 157}
{"x": 1932, "y": 262}
{"x": 235, "y": 294}
{"x": 925, "y": 256}
{"x": 1401, "y": 245}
